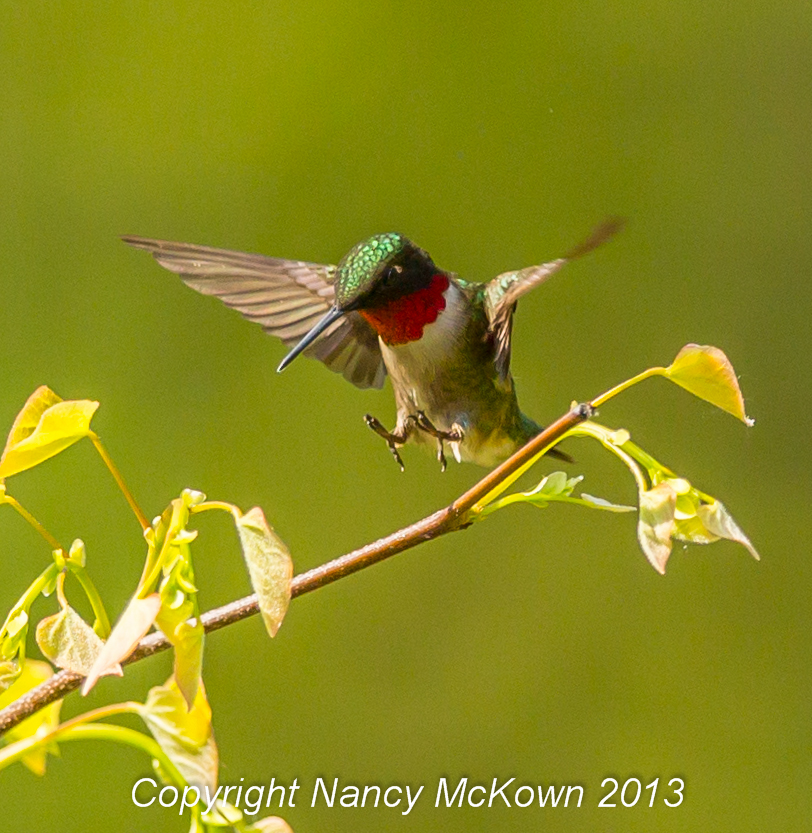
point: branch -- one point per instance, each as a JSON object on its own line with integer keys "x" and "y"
{"x": 449, "y": 519}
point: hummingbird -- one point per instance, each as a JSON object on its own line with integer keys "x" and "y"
{"x": 385, "y": 310}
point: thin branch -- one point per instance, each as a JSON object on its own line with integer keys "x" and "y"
{"x": 449, "y": 519}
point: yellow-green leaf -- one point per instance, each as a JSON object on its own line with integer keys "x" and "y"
{"x": 185, "y": 735}
{"x": 188, "y": 643}
{"x": 59, "y": 426}
{"x": 28, "y": 418}
{"x": 9, "y": 672}
{"x": 33, "y": 673}
{"x": 706, "y": 372}
{"x": 269, "y": 566}
{"x": 16, "y": 623}
{"x": 70, "y": 643}
{"x": 224, "y": 815}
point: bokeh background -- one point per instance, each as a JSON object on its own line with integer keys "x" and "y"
{"x": 539, "y": 645}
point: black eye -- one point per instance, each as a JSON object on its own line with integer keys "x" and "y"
{"x": 391, "y": 275}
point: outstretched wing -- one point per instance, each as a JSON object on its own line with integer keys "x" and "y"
{"x": 502, "y": 293}
{"x": 286, "y": 297}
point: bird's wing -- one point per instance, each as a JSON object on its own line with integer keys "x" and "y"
{"x": 502, "y": 293}
{"x": 286, "y": 297}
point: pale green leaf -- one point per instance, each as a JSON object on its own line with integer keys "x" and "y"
{"x": 136, "y": 620}
{"x": 553, "y": 486}
{"x": 555, "y": 483}
{"x": 706, "y": 372}
{"x": 269, "y": 566}
{"x": 656, "y": 524}
{"x": 59, "y": 427}
{"x": 602, "y": 503}
{"x": 69, "y": 642}
{"x": 720, "y": 522}
{"x": 184, "y": 734}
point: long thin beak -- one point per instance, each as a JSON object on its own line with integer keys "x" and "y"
{"x": 325, "y": 322}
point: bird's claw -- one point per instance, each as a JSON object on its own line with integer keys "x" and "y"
{"x": 455, "y": 435}
{"x": 393, "y": 439}
{"x": 418, "y": 420}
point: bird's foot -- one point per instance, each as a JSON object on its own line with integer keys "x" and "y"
{"x": 455, "y": 435}
{"x": 393, "y": 438}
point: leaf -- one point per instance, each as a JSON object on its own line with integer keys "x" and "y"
{"x": 269, "y": 566}
{"x": 224, "y": 814}
{"x": 185, "y": 735}
{"x": 28, "y": 418}
{"x": 59, "y": 426}
{"x": 554, "y": 486}
{"x": 69, "y": 642}
{"x": 556, "y": 483}
{"x": 9, "y": 672}
{"x": 136, "y": 620}
{"x": 188, "y": 645}
{"x": 31, "y": 675}
{"x": 602, "y": 503}
{"x": 656, "y": 524}
{"x": 706, "y": 372}
{"x": 720, "y": 522}
{"x": 16, "y": 623}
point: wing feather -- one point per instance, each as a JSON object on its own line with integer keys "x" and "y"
{"x": 286, "y": 297}
{"x": 502, "y": 293}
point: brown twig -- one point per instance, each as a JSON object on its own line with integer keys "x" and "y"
{"x": 450, "y": 519}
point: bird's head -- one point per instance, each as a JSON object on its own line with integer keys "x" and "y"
{"x": 381, "y": 269}
{"x": 390, "y": 282}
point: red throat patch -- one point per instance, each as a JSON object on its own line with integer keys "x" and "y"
{"x": 402, "y": 320}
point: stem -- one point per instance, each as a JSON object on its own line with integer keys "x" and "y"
{"x": 80, "y": 728}
{"x": 60, "y": 590}
{"x": 646, "y": 374}
{"x": 454, "y": 517}
{"x": 493, "y": 484}
{"x": 602, "y": 436}
{"x": 54, "y": 544}
{"x": 95, "y": 600}
{"x": 15, "y": 751}
{"x": 96, "y": 731}
{"x": 521, "y": 497}
{"x": 35, "y": 588}
{"x": 129, "y": 737}
{"x": 505, "y": 484}
{"x": 108, "y": 461}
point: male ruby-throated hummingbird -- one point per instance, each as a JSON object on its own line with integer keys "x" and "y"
{"x": 388, "y": 310}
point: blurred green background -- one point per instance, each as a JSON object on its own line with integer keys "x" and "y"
{"x": 540, "y": 645}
